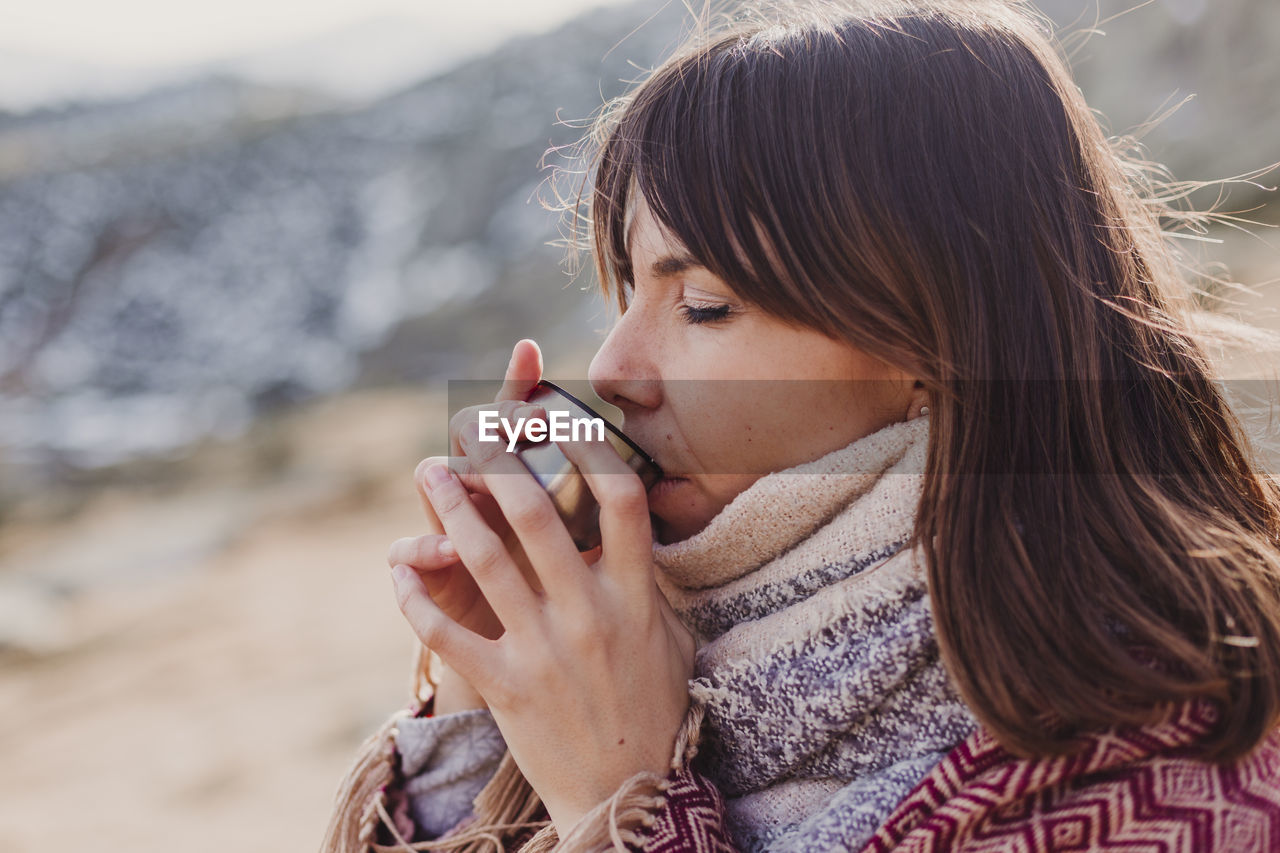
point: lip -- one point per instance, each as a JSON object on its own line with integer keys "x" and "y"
{"x": 664, "y": 487}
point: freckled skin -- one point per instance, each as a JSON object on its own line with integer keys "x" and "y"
{"x": 654, "y": 340}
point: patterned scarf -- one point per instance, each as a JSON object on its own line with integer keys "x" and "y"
{"x": 825, "y": 699}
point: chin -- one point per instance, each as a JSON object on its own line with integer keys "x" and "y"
{"x": 667, "y": 533}
{"x": 661, "y": 532}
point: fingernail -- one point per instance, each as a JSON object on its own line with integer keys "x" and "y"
{"x": 399, "y": 573}
{"x": 437, "y": 475}
{"x": 446, "y": 548}
{"x": 530, "y": 411}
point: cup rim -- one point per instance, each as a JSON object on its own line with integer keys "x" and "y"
{"x": 648, "y": 460}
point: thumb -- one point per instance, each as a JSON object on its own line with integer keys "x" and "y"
{"x": 523, "y": 372}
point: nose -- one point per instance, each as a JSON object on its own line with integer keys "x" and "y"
{"x": 623, "y": 371}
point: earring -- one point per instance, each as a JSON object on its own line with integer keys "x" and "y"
{"x": 924, "y": 410}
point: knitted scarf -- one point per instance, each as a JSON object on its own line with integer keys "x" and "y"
{"x": 818, "y": 672}
{"x": 818, "y": 699}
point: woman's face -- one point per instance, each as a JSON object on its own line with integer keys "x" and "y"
{"x": 676, "y": 364}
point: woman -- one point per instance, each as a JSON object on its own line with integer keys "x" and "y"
{"x": 990, "y": 567}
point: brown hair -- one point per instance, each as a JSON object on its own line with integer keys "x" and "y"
{"x": 924, "y": 181}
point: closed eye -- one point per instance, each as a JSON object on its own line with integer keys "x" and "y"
{"x": 695, "y": 314}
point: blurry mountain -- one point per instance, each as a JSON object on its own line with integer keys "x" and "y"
{"x": 362, "y": 60}
{"x": 29, "y": 79}
{"x": 367, "y": 59}
{"x": 172, "y": 263}
{"x": 175, "y": 262}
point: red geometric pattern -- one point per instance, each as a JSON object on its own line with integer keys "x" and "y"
{"x": 1135, "y": 790}
{"x": 691, "y": 820}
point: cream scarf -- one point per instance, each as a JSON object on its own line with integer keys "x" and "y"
{"x": 818, "y": 674}
{"x": 818, "y": 699}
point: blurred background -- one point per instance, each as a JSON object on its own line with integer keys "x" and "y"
{"x": 243, "y": 246}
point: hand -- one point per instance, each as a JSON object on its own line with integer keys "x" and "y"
{"x": 446, "y": 579}
{"x": 589, "y": 682}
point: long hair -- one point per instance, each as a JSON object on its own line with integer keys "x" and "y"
{"x": 921, "y": 178}
{"x": 924, "y": 181}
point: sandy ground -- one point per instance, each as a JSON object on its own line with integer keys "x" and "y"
{"x": 198, "y": 661}
{"x": 214, "y": 701}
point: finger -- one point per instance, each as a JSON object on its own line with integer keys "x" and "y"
{"x": 483, "y": 553}
{"x": 433, "y": 551}
{"x": 461, "y": 467}
{"x": 467, "y": 653}
{"x": 471, "y": 480}
{"x": 533, "y": 518}
{"x": 523, "y": 372}
{"x": 433, "y": 521}
{"x": 626, "y": 531}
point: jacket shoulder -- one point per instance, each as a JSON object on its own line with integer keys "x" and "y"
{"x": 1123, "y": 788}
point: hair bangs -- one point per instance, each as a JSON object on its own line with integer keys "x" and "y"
{"x": 692, "y": 147}
{"x": 923, "y": 180}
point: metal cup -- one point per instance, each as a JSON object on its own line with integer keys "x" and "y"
{"x": 561, "y": 478}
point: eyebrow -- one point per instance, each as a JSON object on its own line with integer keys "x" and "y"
{"x": 674, "y": 265}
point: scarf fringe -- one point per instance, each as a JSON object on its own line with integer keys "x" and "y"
{"x": 620, "y": 822}
{"x": 360, "y": 801}
{"x": 362, "y": 793}
{"x": 504, "y": 809}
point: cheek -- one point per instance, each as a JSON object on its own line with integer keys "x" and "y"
{"x": 750, "y": 428}
{"x": 716, "y": 418}
{"x": 754, "y": 427}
